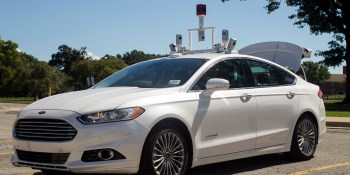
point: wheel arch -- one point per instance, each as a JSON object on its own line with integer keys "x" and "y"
{"x": 182, "y": 127}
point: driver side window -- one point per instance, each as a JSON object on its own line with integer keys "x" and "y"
{"x": 230, "y": 70}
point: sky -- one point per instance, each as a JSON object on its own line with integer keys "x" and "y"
{"x": 119, "y": 26}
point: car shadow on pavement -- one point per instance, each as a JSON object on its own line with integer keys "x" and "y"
{"x": 237, "y": 166}
{"x": 242, "y": 165}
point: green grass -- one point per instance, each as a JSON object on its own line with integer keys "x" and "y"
{"x": 333, "y": 97}
{"x": 21, "y": 100}
{"x": 334, "y": 108}
{"x": 337, "y": 114}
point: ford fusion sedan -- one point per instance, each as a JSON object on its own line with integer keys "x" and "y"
{"x": 170, "y": 114}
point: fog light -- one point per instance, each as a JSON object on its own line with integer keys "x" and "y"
{"x": 101, "y": 155}
{"x": 106, "y": 154}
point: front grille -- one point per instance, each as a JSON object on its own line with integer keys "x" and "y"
{"x": 41, "y": 166}
{"x": 52, "y": 158}
{"x": 44, "y": 130}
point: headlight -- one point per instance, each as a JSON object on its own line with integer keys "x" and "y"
{"x": 111, "y": 116}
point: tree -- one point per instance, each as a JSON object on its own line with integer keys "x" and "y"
{"x": 107, "y": 56}
{"x": 19, "y": 85}
{"x": 43, "y": 80}
{"x": 79, "y": 71}
{"x": 66, "y": 56}
{"x": 106, "y": 67}
{"x": 64, "y": 83}
{"x": 315, "y": 72}
{"x": 324, "y": 16}
{"x": 29, "y": 59}
{"x": 136, "y": 56}
{"x": 99, "y": 69}
{"x": 9, "y": 60}
{"x": 14, "y": 68}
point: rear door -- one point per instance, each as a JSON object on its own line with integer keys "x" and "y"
{"x": 277, "y": 103}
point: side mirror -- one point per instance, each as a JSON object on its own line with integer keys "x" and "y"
{"x": 216, "y": 84}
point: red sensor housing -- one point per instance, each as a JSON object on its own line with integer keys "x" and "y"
{"x": 201, "y": 9}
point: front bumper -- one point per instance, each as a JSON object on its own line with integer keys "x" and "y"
{"x": 126, "y": 137}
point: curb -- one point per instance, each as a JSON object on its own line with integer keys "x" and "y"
{"x": 338, "y": 124}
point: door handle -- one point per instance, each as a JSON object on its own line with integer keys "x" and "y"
{"x": 290, "y": 95}
{"x": 246, "y": 97}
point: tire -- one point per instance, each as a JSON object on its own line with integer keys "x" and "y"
{"x": 304, "y": 140}
{"x": 165, "y": 153}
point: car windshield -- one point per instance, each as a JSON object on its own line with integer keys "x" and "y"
{"x": 159, "y": 73}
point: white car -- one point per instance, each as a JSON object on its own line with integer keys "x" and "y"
{"x": 170, "y": 114}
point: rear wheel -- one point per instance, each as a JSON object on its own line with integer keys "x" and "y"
{"x": 304, "y": 141}
{"x": 165, "y": 153}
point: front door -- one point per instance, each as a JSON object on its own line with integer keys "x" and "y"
{"x": 226, "y": 121}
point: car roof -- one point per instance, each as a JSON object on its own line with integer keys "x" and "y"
{"x": 214, "y": 56}
{"x": 199, "y": 55}
{"x": 218, "y": 56}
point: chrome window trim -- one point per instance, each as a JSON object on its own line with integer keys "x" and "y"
{"x": 295, "y": 78}
{"x": 241, "y": 58}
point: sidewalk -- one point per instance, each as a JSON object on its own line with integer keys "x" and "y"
{"x": 11, "y": 106}
{"x": 330, "y": 121}
{"x": 338, "y": 121}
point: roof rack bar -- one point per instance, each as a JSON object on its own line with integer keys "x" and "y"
{"x": 201, "y": 29}
{"x": 190, "y": 40}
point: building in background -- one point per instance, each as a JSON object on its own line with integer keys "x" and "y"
{"x": 335, "y": 85}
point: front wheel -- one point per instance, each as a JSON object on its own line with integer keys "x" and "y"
{"x": 165, "y": 153}
{"x": 304, "y": 141}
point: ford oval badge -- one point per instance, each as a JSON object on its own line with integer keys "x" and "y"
{"x": 41, "y": 112}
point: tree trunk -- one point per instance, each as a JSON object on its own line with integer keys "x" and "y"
{"x": 36, "y": 97}
{"x": 50, "y": 91}
{"x": 347, "y": 61}
{"x": 347, "y": 82}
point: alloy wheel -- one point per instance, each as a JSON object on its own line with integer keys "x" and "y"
{"x": 168, "y": 154}
{"x": 306, "y": 137}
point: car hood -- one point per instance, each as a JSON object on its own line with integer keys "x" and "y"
{"x": 96, "y": 100}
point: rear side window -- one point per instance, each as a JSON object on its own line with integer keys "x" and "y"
{"x": 269, "y": 75}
